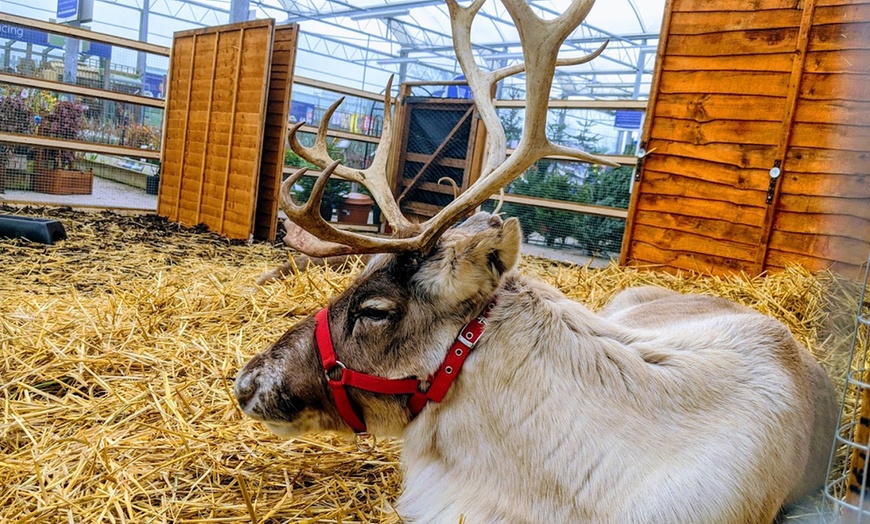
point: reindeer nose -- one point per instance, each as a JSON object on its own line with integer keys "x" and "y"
{"x": 245, "y": 388}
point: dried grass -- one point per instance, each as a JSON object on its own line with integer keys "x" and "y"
{"x": 118, "y": 346}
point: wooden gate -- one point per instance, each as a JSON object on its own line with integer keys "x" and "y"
{"x": 437, "y": 143}
{"x": 744, "y": 90}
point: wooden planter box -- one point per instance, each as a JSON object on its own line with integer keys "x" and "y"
{"x": 63, "y": 182}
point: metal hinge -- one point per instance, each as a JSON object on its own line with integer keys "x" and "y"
{"x": 641, "y": 154}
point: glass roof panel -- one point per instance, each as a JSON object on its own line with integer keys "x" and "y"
{"x": 360, "y": 42}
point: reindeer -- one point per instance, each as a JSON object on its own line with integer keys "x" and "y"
{"x": 515, "y": 403}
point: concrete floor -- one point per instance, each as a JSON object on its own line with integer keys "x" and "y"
{"x": 106, "y": 194}
{"x": 564, "y": 255}
{"x": 113, "y": 195}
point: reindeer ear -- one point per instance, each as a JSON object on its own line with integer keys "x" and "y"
{"x": 488, "y": 241}
{"x": 471, "y": 258}
{"x": 506, "y": 253}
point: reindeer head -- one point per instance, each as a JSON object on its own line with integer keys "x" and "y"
{"x": 401, "y": 315}
{"x": 395, "y": 321}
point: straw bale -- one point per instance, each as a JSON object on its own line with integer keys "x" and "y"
{"x": 118, "y": 348}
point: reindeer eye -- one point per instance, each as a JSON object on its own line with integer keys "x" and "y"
{"x": 376, "y": 309}
{"x": 374, "y": 314}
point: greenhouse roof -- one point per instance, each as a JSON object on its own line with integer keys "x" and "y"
{"x": 359, "y": 43}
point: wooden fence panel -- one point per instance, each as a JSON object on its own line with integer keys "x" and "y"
{"x": 214, "y": 123}
{"x": 742, "y": 86}
{"x": 720, "y": 92}
{"x": 274, "y": 135}
{"x": 823, "y": 213}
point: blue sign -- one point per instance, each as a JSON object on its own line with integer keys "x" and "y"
{"x": 67, "y": 8}
{"x": 23, "y": 34}
{"x": 455, "y": 91}
{"x": 97, "y": 49}
{"x": 154, "y": 85}
{"x": 628, "y": 119}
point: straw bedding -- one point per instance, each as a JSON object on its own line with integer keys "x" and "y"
{"x": 118, "y": 348}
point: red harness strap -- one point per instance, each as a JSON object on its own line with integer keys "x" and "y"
{"x": 352, "y": 378}
{"x": 440, "y": 381}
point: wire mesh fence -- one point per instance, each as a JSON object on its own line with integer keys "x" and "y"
{"x": 32, "y": 171}
{"x": 574, "y": 207}
{"x": 33, "y": 53}
{"x": 599, "y": 131}
{"x": 579, "y": 234}
{"x": 613, "y": 129}
{"x": 54, "y": 114}
{"x": 564, "y": 188}
{"x": 46, "y": 175}
{"x": 846, "y": 495}
{"x": 357, "y": 154}
{"x": 80, "y": 118}
{"x": 355, "y": 114}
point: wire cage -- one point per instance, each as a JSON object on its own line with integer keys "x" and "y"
{"x": 846, "y": 497}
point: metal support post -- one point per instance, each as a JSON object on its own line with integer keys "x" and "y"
{"x": 239, "y": 10}
{"x": 71, "y": 57}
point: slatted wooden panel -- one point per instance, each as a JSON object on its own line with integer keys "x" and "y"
{"x": 274, "y": 136}
{"x": 214, "y": 126}
{"x": 730, "y": 80}
{"x": 823, "y": 212}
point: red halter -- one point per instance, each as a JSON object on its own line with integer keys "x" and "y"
{"x": 439, "y": 382}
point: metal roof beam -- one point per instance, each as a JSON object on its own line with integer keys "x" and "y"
{"x": 629, "y": 38}
{"x": 341, "y": 50}
{"x": 373, "y": 11}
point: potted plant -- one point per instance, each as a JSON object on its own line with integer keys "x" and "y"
{"x": 58, "y": 174}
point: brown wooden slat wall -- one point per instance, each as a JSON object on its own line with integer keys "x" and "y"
{"x": 729, "y": 80}
{"x": 274, "y": 135}
{"x": 214, "y": 125}
{"x": 823, "y": 214}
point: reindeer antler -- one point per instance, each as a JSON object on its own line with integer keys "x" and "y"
{"x": 541, "y": 40}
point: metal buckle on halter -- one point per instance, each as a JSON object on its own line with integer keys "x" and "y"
{"x": 338, "y": 365}
{"x": 469, "y": 344}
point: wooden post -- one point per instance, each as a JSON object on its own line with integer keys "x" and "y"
{"x": 477, "y": 150}
{"x": 787, "y": 126}
{"x": 647, "y": 127}
{"x": 275, "y": 132}
{"x": 217, "y": 40}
